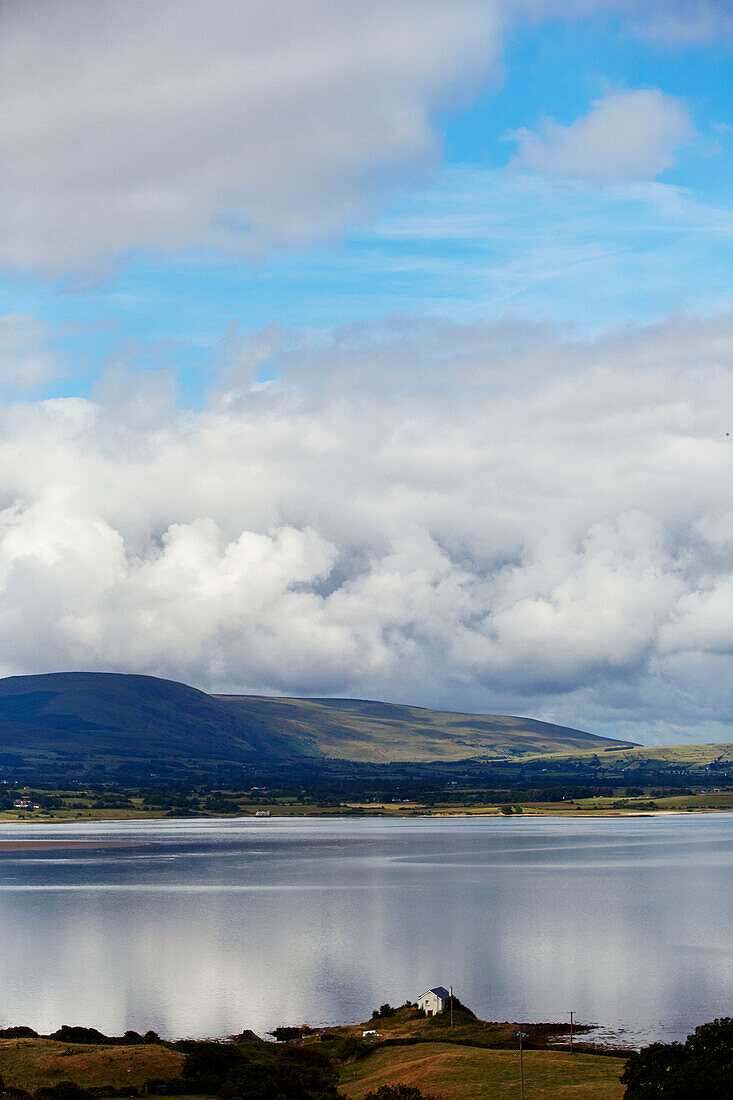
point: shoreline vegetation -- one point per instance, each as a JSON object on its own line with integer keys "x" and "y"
{"x": 7, "y": 845}
{"x": 39, "y": 806}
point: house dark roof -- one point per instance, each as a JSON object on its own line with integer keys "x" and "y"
{"x": 439, "y": 991}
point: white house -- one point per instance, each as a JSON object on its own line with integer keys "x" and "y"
{"x": 434, "y": 1001}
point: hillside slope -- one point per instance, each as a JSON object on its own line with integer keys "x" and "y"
{"x": 102, "y": 714}
{"x": 77, "y": 720}
{"x": 381, "y": 733}
{"x": 694, "y": 760}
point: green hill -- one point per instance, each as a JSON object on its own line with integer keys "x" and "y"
{"x": 77, "y": 721}
{"x": 382, "y": 733}
{"x": 97, "y": 715}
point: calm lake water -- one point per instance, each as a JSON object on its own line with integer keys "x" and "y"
{"x": 209, "y": 927}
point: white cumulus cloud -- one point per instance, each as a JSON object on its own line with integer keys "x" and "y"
{"x": 627, "y": 135}
{"x": 476, "y": 517}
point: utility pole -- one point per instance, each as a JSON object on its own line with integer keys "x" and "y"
{"x": 451, "y": 1005}
{"x": 521, "y": 1064}
{"x": 571, "y": 1031}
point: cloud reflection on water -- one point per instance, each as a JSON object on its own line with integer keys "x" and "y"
{"x": 202, "y": 929}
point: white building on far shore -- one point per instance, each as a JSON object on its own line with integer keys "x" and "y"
{"x": 434, "y": 1001}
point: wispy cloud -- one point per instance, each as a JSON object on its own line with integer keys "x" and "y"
{"x": 479, "y": 242}
{"x": 28, "y": 353}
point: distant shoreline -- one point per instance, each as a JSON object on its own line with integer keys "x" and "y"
{"x": 9, "y": 845}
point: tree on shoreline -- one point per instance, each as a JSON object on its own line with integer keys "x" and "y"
{"x": 701, "y": 1066}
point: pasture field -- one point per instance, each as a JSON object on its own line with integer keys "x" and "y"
{"x": 76, "y": 808}
{"x": 33, "y": 1063}
{"x": 456, "y": 1072}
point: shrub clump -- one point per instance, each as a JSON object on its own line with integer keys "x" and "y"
{"x": 64, "y": 1090}
{"x": 701, "y": 1066}
{"x": 260, "y": 1072}
{"x": 398, "y": 1092}
{"x": 351, "y": 1048}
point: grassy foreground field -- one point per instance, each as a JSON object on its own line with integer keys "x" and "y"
{"x": 30, "y": 1064}
{"x": 472, "y": 1059}
{"x": 467, "y": 1073}
{"x": 450, "y": 1070}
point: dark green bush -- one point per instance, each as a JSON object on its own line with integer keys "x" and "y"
{"x": 351, "y": 1048}
{"x": 167, "y": 1086}
{"x": 398, "y": 1092}
{"x": 68, "y": 1034}
{"x": 64, "y": 1090}
{"x": 297, "y": 1073}
{"x": 701, "y": 1067}
{"x": 210, "y": 1063}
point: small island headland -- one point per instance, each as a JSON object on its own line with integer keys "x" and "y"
{"x": 399, "y": 1054}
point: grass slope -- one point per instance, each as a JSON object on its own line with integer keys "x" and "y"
{"x": 474, "y": 1059}
{"x": 110, "y": 715}
{"x": 382, "y": 733}
{"x": 31, "y": 1064}
{"x": 690, "y": 758}
{"x": 456, "y": 1072}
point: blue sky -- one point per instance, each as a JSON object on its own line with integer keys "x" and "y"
{"x": 373, "y": 348}
{"x": 463, "y": 235}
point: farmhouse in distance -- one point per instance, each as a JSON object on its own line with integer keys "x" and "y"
{"x": 434, "y": 1001}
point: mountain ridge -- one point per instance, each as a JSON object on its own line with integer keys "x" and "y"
{"x": 371, "y": 731}
{"x": 108, "y": 718}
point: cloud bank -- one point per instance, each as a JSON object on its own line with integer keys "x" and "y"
{"x": 480, "y": 517}
{"x": 241, "y": 126}
{"x": 251, "y": 126}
